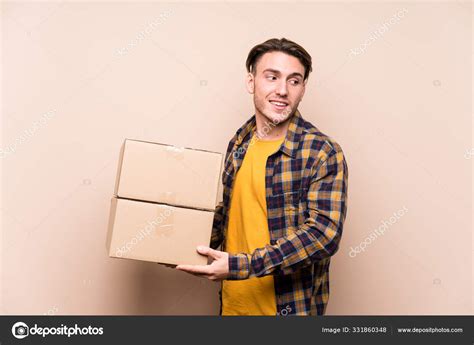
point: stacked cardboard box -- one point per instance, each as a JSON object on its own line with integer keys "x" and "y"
{"x": 163, "y": 204}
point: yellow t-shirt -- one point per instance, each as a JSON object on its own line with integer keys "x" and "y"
{"x": 248, "y": 230}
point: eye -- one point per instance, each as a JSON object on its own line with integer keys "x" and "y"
{"x": 294, "y": 82}
{"x": 270, "y": 77}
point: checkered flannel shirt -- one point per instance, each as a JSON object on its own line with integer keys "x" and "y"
{"x": 306, "y": 193}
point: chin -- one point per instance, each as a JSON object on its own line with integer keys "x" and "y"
{"x": 277, "y": 117}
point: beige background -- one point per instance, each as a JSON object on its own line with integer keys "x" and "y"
{"x": 78, "y": 78}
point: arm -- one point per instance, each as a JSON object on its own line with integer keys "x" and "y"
{"x": 317, "y": 238}
{"x": 217, "y": 235}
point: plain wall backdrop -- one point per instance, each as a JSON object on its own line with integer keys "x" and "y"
{"x": 391, "y": 84}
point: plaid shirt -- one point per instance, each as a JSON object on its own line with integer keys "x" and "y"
{"x": 306, "y": 192}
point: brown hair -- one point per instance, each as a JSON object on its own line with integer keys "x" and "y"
{"x": 281, "y": 45}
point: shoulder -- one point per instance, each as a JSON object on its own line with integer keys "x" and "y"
{"x": 240, "y": 133}
{"x": 318, "y": 142}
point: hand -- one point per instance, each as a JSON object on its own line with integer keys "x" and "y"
{"x": 218, "y": 269}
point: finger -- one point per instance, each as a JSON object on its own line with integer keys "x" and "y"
{"x": 194, "y": 269}
{"x": 203, "y": 250}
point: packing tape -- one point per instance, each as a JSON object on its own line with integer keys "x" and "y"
{"x": 175, "y": 152}
{"x": 165, "y": 220}
{"x": 167, "y": 197}
{"x": 162, "y": 225}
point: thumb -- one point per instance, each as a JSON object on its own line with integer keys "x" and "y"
{"x": 208, "y": 251}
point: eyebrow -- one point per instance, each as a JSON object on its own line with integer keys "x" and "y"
{"x": 294, "y": 74}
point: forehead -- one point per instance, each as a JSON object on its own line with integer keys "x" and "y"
{"x": 280, "y": 61}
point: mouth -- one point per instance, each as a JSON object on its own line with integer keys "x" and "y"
{"x": 278, "y": 105}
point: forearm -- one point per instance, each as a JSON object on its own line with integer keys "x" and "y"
{"x": 289, "y": 254}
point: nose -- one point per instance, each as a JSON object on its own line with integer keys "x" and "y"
{"x": 282, "y": 88}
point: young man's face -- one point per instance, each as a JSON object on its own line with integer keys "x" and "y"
{"x": 277, "y": 85}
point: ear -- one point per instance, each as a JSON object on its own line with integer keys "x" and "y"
{"x": 250, "y": 83}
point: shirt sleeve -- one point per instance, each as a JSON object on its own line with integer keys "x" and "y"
{"x": 317, "y": 238}
{"x": 217, "y": 234}
{"x": 217, "y": 227}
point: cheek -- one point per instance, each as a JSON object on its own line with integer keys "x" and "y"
{"x": 297, "y": 95}
{"x": 263, "y": 89}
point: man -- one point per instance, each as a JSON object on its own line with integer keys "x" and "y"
{"x": 284, "y": 202}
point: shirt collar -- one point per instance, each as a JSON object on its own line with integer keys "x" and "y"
{"x": 292, "y": 139}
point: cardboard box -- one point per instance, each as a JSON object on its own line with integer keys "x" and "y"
{"x": 157, "y": 232}
{"x": 167, "y": 174}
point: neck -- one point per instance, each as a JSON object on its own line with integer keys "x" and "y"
{"x": 271, "y": 130}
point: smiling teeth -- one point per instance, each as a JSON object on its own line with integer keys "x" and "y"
{"x": 277, "y": 103}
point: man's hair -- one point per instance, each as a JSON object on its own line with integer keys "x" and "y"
{"x": 280, "y": 45}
